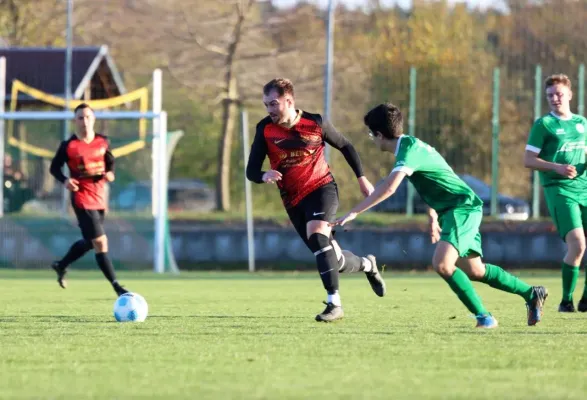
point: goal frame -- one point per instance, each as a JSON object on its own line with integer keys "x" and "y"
{"x": 163, "y": 253}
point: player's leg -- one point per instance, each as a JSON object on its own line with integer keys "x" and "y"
{"x": 566, "y": 216}
{"x": 350, "y": 263}
{"x": 76, "y": 251}
{"x": 319, "y": 207}
{"x": 457, "y": 240}
{"x": 575, "y": 240}
{"x": 582, "y": 307}
{"x": 325, "y": 199}
{"x": 317, "y": 244}
{"x": 444, "y": 263}
{"x": 347, "y": 260}
{"x": 318, "y": 233}
{"x": 497, "y": 278}
{"x": 95, "y": 231}
{"x": 297, "y": 218}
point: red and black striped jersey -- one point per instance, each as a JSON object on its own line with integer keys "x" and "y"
{"x": 297, "y": 152}
{"x": 87, "y": 163}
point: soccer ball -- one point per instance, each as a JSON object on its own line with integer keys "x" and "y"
{"x": 131, "y": 307}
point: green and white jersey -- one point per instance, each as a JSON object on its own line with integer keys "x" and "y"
{"x": 432, "y": 177}
{"x": 563, "y": 142}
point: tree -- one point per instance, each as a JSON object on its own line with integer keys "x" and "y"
{"x": 226, "y": 52}
{"x": 32, "y": 22}
{"x": 446, "y": 46}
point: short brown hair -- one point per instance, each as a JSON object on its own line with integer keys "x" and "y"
{"x": 386, "y": 119}
{"x": 281, "y": 85}
{"x": 81, "y": 107}
{"x": 557, "y": 79}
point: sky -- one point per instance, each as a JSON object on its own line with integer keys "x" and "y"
{"x": 402, "y": 3}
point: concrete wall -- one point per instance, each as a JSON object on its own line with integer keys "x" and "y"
{"x": 28, "y": 243}
{"x": 392, "y": 247}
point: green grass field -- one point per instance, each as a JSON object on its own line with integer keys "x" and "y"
{"x": 237, "y": 336}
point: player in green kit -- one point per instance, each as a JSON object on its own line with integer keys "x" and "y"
{"x": 455, "y": 216}
{"x": 556, "y": 148}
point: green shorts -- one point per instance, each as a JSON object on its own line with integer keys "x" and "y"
{"x": 460, "y": 227}
{"x": 568, "y": 210}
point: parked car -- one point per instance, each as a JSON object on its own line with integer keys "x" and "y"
{"x": 510, "y": 208}
{"x": 183, "y": 195}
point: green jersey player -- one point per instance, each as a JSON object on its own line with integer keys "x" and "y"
{"x": 556, "y": 148}
{"x": 455, "y": 213}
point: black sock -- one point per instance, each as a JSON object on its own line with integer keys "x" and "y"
{"x": 326, "y": 261}
{"x": 75, "y": 252}
{"x": 350, "y": 263}
{"x": 106, "y": 266}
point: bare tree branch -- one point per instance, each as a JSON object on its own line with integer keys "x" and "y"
{"x": 268, "y": 54}
{"x": 198, "y": 40}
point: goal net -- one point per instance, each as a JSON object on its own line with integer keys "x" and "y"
{"x": 38, "y": 224}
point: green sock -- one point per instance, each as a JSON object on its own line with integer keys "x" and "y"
{"x": 460, "y": 283}
{"x": 497, "y": 278}
{"x": 570, "y": 275}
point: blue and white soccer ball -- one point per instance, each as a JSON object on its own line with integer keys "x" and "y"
{"x": 131, "y": 307}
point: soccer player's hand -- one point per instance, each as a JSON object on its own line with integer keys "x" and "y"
{"x": 72, "y": 185}
{"x": 343, "y": 220}
{"x": 366, "y": 186}
{"x": 271, "y": 176}
{"x": 109, "y": 176}
{"x": 568, "y": 171}
{"x": 434, "y": 231}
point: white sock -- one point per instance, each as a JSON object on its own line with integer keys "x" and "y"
{"x": 334, "y": 299}
{"x": 367, "y": 265}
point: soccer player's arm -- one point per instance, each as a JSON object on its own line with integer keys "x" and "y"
{"x": 109, "y": 163}
{"x": 58, "y": 162}
{"x": 534, "y": 147}
{"x": 342, "y": 144}
{"x": 382, "y": 191}
{"x": 431, "y": 212}
{"x": 257, "y": 156}
{"x": 404, "y": 166}
{"x": 434, "y": 227}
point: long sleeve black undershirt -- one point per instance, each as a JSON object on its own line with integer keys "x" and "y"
{"x": 58, "y": 162}
{"x": 257, "y": 156}
{"x": 109, "y": 160}
{"x": 342, "y": 144}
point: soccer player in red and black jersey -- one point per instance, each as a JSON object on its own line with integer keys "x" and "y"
{"x": 90, "y": 162}
{"x": 294, "y": 141}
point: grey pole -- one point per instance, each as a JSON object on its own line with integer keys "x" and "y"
{"x": 248, "y": 194}
{"x": 68, "y": 56}
{"x": 328, "y": 71}
{"x": 2, "y": 128}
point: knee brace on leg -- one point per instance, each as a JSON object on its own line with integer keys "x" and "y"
{"x": 319, "y": 243}
{"x": 326, "y": 261}
{"x": 351, "y": 262}
{"x": 339, "y": 253}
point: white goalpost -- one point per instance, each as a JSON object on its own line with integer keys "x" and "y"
{"x": 162, "y": 146}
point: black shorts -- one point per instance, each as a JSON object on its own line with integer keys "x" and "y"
{"x": 91, "y": 222}
{"x": 321, "y": 205}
